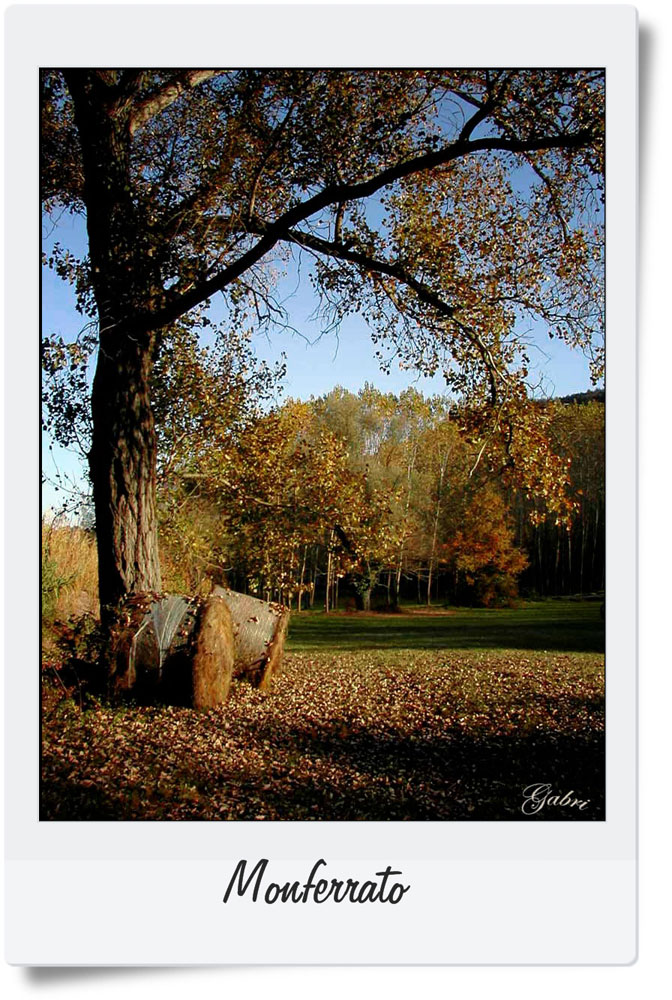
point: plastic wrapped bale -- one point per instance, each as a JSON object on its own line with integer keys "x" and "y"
{"x": 170, "y": 649}
{"x": 128, "y": 671}
{"x": 259, "y": 629}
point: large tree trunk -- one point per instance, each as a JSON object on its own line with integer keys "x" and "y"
{"x": 122, "y": 463}
{"x": 126, "y": 283}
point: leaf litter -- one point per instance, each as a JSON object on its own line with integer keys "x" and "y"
{"x": 362, "y": 736}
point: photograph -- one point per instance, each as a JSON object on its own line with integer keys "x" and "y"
{"x": 323, "y": 518}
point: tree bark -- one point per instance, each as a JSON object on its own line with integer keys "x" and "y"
{"x": 583, "y": 548}
{"x": 126, "y": 283}
{"x": 363, "y": 600}
{"x": 299, "y": 595}
{"x": 594, "y": 582}
{"x": 328, "y": 582}
{"x": 435, "y": 526}
{"x": 122, "y": 462}
{"x": 313, "y": 582}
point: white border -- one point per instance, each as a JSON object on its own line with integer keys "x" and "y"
{"x": 89, "y": 857}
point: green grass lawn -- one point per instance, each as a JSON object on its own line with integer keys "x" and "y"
{"x": 562, "y": 625}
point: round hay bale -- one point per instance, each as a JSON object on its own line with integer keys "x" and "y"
{"x": 122, "y": 661}
{"x": 150, "y": 649}
{"x": 259, "y": 629}
{"x": 167, "y": 648}
{"x": 213, "y": 654}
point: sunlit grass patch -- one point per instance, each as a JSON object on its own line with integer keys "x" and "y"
{"x": 558, "y": 624}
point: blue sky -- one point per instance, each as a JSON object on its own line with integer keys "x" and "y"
{"x": 315, "y": 363}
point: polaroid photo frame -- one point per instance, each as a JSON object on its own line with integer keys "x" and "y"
{"x": 430, "y": 892}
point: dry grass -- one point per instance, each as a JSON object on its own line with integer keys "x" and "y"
{"x": 69, "y": 578}
{"x": 73, "y": 568}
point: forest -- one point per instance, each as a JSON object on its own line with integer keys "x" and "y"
{"x": 364, "y": 500}
{"x": 375, "y": 499}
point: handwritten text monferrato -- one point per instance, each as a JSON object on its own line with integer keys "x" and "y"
{"x": 315, "y": 890}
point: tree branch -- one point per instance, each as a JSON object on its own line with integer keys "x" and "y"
{"x": 332, "y": 194}
{"x": 128, "y": 84}
{"x": 274, "y": 140}
{"x": 395, "y": 270}
{"x": 493, "y": 101}
{"x": 167, "y": 94}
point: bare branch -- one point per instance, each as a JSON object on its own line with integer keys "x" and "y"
{"x": 552, "y": 195}
{"x": 275, "y": 139}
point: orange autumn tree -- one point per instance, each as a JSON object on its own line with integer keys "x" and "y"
{"x": 260, "y": 500}
{"x": 482, "y": 552}
{"x": 514, "y": 456}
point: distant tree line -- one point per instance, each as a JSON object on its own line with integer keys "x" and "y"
{"x": 368, "y": 498}
{"x": 570, "y": 560}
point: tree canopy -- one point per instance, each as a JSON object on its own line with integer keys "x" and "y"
{"x": 445, "y": 206}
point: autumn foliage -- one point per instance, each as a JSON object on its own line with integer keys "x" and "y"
{"x": 354, "y": 496}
